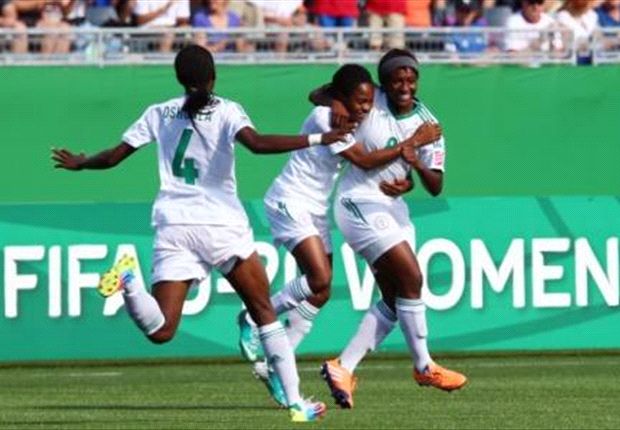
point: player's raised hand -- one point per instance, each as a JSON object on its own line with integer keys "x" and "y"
{"x": 337, "y": 134}
{"x": 65, "y": 159}
{"x": 428, "y": 132}
{"x": 397, "y": 187}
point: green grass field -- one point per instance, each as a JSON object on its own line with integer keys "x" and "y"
{"x": 504, "y": 392}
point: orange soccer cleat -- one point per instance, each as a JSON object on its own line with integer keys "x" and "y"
{"x": 340, "y": 381}
{"x": 439, "y": 377}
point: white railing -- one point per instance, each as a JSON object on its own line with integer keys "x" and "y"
{"x": 110, "y": 46}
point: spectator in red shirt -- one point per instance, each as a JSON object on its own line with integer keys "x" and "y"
{"x": 329, "y": 13}
{"x": 388, "y": 13}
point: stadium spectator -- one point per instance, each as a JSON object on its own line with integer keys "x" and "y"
{"x": 283, "y": 14}
{"x": 386, "y": 14}
{"x": 214, "y": 14}
{"x": 418, "y": 13}
{"x": 199, "y": 220}
{"x": 251, "y": 15}
{"x": 10, "y": 21}
{"x": 74, "y": 12}
{"x": 442, "y": 13}
{"x": 580, "y": 18}
{"x": 102, "y": 13}
{"x": 328, "y": 13}
{"x": 47, "y": 15}
{"x": 531, "y": 16}
{"x": 161, "y": 15}
{"x": 125, "y": 11}
{"x": 609, "y": 13}
{"x": 469, "y": 13}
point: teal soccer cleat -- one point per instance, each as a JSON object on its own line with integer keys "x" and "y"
{"x": 249, "y": 342}
{"x": 269, "y": 377}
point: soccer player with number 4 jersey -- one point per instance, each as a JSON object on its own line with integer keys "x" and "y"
{"x": 200, "y": 224}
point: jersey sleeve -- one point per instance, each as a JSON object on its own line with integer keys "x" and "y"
{"x": 434, "y": 155}
{"x": 142, "y": 131}
{"x": 319, "y": 122}
{"x": 237, "y": 120}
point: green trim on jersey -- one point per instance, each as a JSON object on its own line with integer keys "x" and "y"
{"x": 399, "y": 116}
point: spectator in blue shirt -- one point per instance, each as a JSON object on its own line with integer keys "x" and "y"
{"x": 609, "y": 13}
{"x": 468, "y": 14}
{"x": 214, "y": 14}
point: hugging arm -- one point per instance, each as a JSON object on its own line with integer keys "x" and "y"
{"x": 272, "y": 144}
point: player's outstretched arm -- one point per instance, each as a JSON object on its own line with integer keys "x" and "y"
{"x": 65, "y": 159}
{"x": 272, "y": 144}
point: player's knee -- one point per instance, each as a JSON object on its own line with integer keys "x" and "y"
{"x": 163, "y": 335}
{"x": 320, "y": 281}
{"x": 322, "y": 297}
{"x": 412, "y": 287}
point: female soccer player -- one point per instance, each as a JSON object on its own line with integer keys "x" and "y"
{"x": 199, "y": 221}
{"x": 379, "y": 228}
{"x": 297, "y": 203}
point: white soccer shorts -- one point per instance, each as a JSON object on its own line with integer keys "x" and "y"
{"x": 182, "y": 252}
{"x": 373, "y": 228}
{"x": 291, "y": 223}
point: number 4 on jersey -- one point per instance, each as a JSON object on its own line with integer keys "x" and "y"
{"x": 184, "y": 167}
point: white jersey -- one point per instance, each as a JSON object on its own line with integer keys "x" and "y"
{"x": 178, "y": 9}
{"x": 196, "y": 166}
{"x": 518, "y": 39}
{"x": 583, "y": 26}
{"x": 382, "y": 129}
{"x": 310, "y": 174}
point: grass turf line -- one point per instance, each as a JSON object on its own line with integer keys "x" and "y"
{"x": 504, "y": 392}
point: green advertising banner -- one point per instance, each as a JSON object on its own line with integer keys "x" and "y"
{"x": 521, "y": 251}
{"x": 501, "y": 274}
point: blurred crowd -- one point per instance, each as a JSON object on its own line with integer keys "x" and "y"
{"x": 582, "y": 17}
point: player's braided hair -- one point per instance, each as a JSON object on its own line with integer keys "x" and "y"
{"x": 347, "y": 78}
{"x": 195, "y": 69}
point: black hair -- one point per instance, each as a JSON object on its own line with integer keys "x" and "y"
{"x": 348, "y": 77}
{"x": 195, "y": 70}
{"x": 393, "y": 53}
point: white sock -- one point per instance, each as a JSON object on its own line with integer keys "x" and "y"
{"x": 280, "y": 356}
{"x": 377, "y": 323}
{"x": 412, "y": 316}
{"x": 291, "y": 295}
{"x": 142, "y": 307}
{"x": 300, "y": 322}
